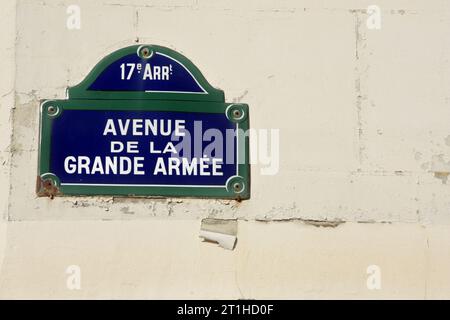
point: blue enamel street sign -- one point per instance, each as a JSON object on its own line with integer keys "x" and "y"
{"x": 144, "y": 122}
{"x": 160, "y": 73}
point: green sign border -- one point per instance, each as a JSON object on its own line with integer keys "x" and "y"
{"x": 237, "y": 187}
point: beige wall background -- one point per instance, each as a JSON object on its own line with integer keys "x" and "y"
{"x": 364, "y": 119}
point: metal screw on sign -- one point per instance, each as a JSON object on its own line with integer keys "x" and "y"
{"x": 51, "y": 109}
{"x": 146, "y": 53}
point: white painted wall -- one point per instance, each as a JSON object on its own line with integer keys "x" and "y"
{"x": 365, "y": 139}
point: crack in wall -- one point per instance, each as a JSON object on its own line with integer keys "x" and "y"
{"x": 11, "y": 114}
{"x": 312, "y": 222}
{"x": 361, "y": 68}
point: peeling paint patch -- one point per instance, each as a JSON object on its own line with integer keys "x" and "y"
{"x": 126, "y": 210}
{"x": 222, "y": 232}
{"x": 442, "y": 175}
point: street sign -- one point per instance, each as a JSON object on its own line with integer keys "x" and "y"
{"x": 144, "y": 122}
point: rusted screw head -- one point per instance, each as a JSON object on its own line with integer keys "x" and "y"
{"x": 237, "y": 187}
{"x": 145, "y": 52}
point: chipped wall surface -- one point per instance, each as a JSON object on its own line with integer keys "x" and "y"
{"x": 364, "y": 152}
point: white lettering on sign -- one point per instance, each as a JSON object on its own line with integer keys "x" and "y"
{"x": 176, "y": 166}
{"x": 104, "y": 165}
{"x": 145, "y": 127}
{"x": 145, "y": 71}
{"x": 123, "y": 159}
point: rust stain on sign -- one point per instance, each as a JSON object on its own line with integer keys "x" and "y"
{"x": 46, "y": 188}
